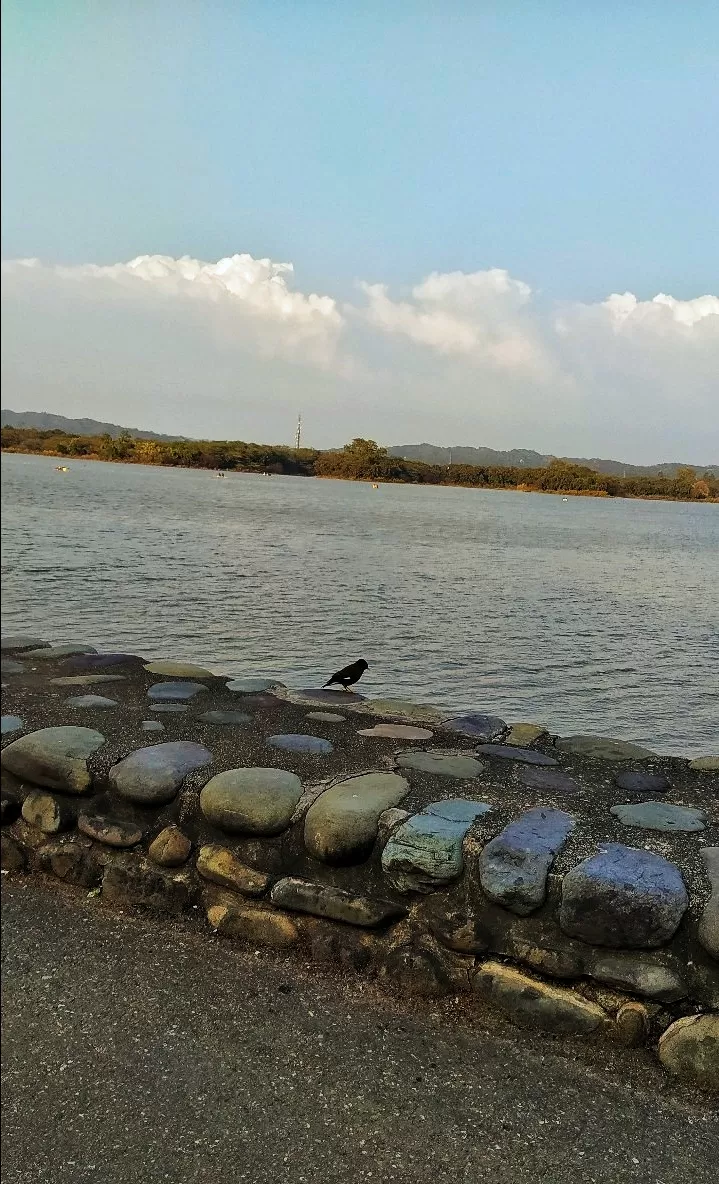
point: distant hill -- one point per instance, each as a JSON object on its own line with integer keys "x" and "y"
{"x": 45, "y": 422}
{"x": 462, "y": 455}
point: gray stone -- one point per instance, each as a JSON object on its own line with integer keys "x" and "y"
{"x": 535, "y": 1004}
{"x": 12, "y": 723}
{"x": 313, "y": 745}
{"x": 109, "y": 831}
{"x": 341, "y": 825}
{"x": 153, "y": 775}
{"x": 705, "y": 764}
{"x": 178, "y": 692}
{"x": 225, "y": 718}
{"x": 708, "y": 931}
{"x": 319, "y": 695}
{"x": 513, "y": 867}
{"x": 92, "y": 662}
{"x": 640, "y": 974}
{"x": 660, "y": 816}
{"x": 54, "y": 757}
{"x": 326, "y": 717}
{"x": 169, "y": 708}
{"x": 178, "y": 669}
{"x": 402, "y": 709}
{"x": 690, "y": 1049}
{"x": 604, "y": 748}
{"x": 251, "y": 801}
{"x": 552, "y": 781}
{"x": 441, "y": 764}
{"x": 253, "y": 686}
{"x": 507, "y": 752}
{"x": 47, "y": 653}
{"x": 634, "y": 781}
{"x": 477, "y": 725}
{"x": 91, "y": 702}
{"x": 425, "y": 852}
{"x": 21, "y": 641}
{"x": 10, "y": 666}
{"x": 86, "y": 680}
{"x": 152, "y": 725}
{"x": 396, "y": 732}
{"x": 47, "y": 813}
{"x": 321, "y": 900}
{"x": 623, "y": 897}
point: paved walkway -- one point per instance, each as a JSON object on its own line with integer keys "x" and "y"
{"x": 139, "y": 1052}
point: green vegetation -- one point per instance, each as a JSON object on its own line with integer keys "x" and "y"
{"x": 362, "y": 460}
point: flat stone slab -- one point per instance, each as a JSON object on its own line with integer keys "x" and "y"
{"x": 690, "y": 1049}
{"x": 21, "y": 641}
{"x": 524, "y": 735}
{"x": 705, "y": 764}
{"x": 48, "y": 653}
{"x": 152, "y": 725}
{"x": 225, "y": 718}
{"x": 109, "y": 831}
{"x": 169, "y": 708}
{"x": 660, "y": 816}
{"x": 92, "y": 662}
{"x": 91, "y": 702}
{"x": 604, "y": 748}
{"x": 508, "y": 752}
{"x": 152, "y": 776}
{"x": 326, "y": 717}
{"x": 178, "y": 692}
{"x": 177, "y": 669}
{"x": 321, "y": 900}
{"x": 341, "y": 825}
{"x": 639, "y": 974}
{"x": 320, "y": 695}
{"x": 623, "y": 897}
{"x": 254, "y": 686}
{"x": 86, "y": 680}
{"x": 251, "y": 801}
{"x": 54, "y": 757}
{"x": 708, "y": 929}
{"x": 425, "y": 852}
{"x": 536, "y": 1004}
{"x": 552, "y": 781}
{"x": 418, "y": 713}
{"x": 10, "y": 666}
{"x": 220, "y": 866}
{"x": 231, "y": 917}
{"x": 477, "y": 725}
{"x": 438, "y": 764}
{"x": 12, "y": 723}
{"x": 513, "y": 867}
{"x": 396, "y": 732}
{"x": 635, "y": 781}
{"x": 312, "y": 745}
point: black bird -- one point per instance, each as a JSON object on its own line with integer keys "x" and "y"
{"x": 349, "y": 675}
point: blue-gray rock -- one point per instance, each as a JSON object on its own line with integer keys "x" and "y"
{"x": 708, "y": 929}
{"x": 552, "y": 781}
{"x": 169, "y": 708}
{"x": 253, "y": 686}
{"x": 461, "y": 766}
{"x": 477, "y": 725}
{"x": 55, "y": 758}
{"x": 652, "y": 975}
{"x": 634, "y": 781}
{"x": 623, "y": 897}
{"x": 91, "y": 702}
{"x": 314, "y": 745}
{"x": 21, "y": 641}
{"x": 425, "y": 852}
{"x": 154, "y": 775}
{"x": 513, "y": 867}
{"x": 175, "y": 692}
{"x": 48, "y": 653}
{"x": 102, "y": 661}
{"x": 660, "y": 816}
{"x": 508, "y": 753}
{"x": 319, "y": 695}
{"x": 152, "y": 725}
{"x": 10, "y": 666}
{"x": 228, "y": 718}
{"x": 12, "y": 723}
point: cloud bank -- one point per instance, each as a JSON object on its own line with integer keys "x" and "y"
{"x": 234, "y": 348}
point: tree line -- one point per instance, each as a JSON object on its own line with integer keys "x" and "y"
{"x": 361, "y": 460}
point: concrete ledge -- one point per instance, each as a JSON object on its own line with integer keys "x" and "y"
{"x": 484, "y": 858}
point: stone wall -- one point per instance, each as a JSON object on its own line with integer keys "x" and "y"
{"x": 572, "y": 882}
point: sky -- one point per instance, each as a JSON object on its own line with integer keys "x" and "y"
{"x": 460, "y": 222}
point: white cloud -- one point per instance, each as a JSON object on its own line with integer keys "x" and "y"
{"x": 233, "y": 348}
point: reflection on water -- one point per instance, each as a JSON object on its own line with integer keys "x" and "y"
{"x": 591, "y": 614}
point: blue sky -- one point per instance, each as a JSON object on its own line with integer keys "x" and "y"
{"x": 573, "y": 145}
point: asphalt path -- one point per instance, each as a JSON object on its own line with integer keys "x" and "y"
{"x": 141, "y": 1051}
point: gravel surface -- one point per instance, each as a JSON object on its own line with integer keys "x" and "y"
{"x": 136, "y": 1050}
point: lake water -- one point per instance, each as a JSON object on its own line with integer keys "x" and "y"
{"x": 590, "y": 615}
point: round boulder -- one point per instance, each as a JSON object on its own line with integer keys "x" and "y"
{"x": 53, "y": 757}
{"x": 251, "y": 801}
